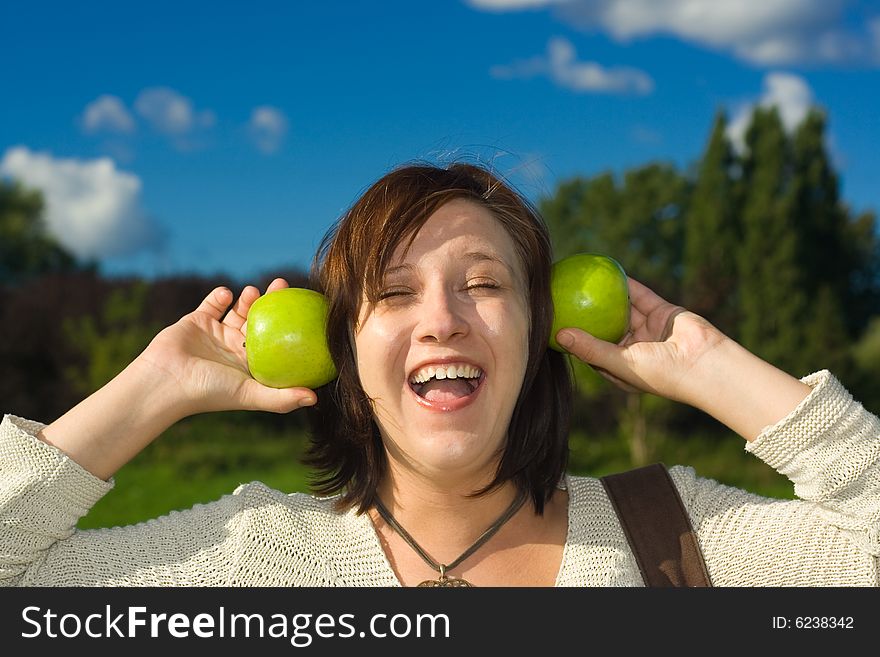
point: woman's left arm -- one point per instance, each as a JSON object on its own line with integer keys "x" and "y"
{"x": 677, "y": 354}
{"x": 829, "y": 448}
{"x": 810, "y": 430}
{"x": 742, "y": 391}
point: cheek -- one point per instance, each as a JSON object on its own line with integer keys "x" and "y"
{"x": 377, "y": 345}
{"x": 508, "y": 328}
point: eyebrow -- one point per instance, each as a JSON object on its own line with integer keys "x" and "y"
{"x": 393, "y": 270}
{"x": 479, "y": 256}
{"x": 474, "y": 256}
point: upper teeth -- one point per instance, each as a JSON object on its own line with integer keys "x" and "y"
{"x": 445, "y": 372}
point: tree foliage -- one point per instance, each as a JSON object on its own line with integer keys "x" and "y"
{"x": 712, "y": 234}
{"x": 110, "y": 341}
{"x": 759, "y": 242}
{"x": 26, "y": 248}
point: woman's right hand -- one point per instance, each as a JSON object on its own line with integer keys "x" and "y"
{"x": 204, "y": 354}
{"x": 196, "y": 365}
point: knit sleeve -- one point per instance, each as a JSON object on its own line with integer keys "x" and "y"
{"x": 829, "y": 447}
{"x": 44, "y": 493}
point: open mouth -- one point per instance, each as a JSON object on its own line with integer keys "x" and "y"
{"x": 443, "y": 384}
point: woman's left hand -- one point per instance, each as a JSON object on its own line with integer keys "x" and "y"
{"x": 660, "y": 352}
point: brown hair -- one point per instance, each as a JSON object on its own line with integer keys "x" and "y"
{"x": 346, "y": 446}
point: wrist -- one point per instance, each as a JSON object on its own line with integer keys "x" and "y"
{"x": 154, "y": 390}
{"x": 742, "y": 391}
{"x": 110, "y": 427}
{"x": 706, "y": 379}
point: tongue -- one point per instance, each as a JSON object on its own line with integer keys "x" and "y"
{"x": 445, "y": 389}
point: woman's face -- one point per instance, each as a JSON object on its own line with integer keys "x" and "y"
{"x": 443, "y": 352}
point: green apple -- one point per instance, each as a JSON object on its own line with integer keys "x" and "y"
{"x": 589, "y": 292}
{"x": 286, "y": 341}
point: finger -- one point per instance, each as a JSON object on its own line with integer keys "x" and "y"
{"x": 258, "y": 397}
{"x": 277, "y": 284}
{"x": 651, "y": 317}
{"x": 590, "y": 349}
{"x": 643, "y": 297}
{"x": 636, "y": 319}
{"x": 237, "y": 316}
{"x": 609, "y": 360}
{"x": 216, "y": 303}
{"x": 670, "y": 323}
{"x": 620, "y": 383}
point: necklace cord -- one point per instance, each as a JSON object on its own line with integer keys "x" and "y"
{"x": 485, "y": 536}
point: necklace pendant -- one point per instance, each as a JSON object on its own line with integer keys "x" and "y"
{"x": 446, "y": 582}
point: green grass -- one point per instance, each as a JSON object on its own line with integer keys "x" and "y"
{"x": 204, "y": 458}
{"x": 199, "y": 461}
{"x": 145, "y": 491}
{"x": 722, "y": 459}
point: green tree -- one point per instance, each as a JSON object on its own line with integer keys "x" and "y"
{"x": 773, "y": 302}
{"x": 712, "y": 234}
{"x": 827, "y": 260}
{"x": 26, "y": 249}
{"x": 866, "y": 355}
{"x": 760, "y": 243}
{"x": 112, "y": 341}
{"x": 640, "y": 222}
{"x": 655, "y": 200}
{"x": 578, "y": 214}
{"x": 863, "y": 242}
{"x": 841, "y": 251}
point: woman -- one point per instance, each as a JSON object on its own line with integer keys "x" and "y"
{"x": 443, "y": 441}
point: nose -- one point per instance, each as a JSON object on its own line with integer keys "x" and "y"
{"x": 443, "y": 316}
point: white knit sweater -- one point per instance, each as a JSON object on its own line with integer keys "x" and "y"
{"x": 829, "y": 446}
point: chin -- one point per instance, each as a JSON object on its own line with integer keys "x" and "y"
{"x": 453, "y": 451}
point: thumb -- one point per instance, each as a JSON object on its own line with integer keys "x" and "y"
{"x": 257, "y": 397}
{"x": 590, "y": 349}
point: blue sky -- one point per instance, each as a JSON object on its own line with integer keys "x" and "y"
{"x": 228, "y": 136}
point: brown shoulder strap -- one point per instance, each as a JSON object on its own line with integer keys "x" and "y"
{"x": 657, "y": 527}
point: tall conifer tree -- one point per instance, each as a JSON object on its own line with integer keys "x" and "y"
{"x": 772, "y": 299}
{"x": 826, "y": 259}
{"x": 712, "y": 235}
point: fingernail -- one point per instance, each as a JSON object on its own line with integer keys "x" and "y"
{"x": 308, "y": 402}
{"x": 565, "y": 338}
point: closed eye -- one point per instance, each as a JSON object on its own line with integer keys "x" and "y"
{"x": 396, "y": 292}
{"x": 487, "y": 285}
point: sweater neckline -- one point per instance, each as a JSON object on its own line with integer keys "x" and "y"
{"x": 382, "y": 558}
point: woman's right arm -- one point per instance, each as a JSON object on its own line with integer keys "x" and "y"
{"x": 44, "y": 493}
{"x": 51, "y": 475}
{"x": 196, "y": 365}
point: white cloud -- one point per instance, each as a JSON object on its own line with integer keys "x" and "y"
{"x": 170, "y": 112}
{"x": 561, "y": 65}
{"x": 107, "y": 114}
{"x": 267, "y": 128}
{"x": 766, "y": 32}
{"x": 92, "y": 208}
{"x": 790, "y": 94}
